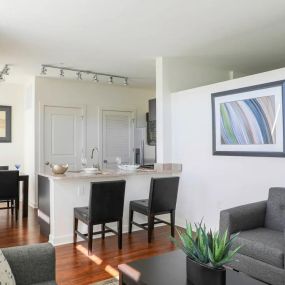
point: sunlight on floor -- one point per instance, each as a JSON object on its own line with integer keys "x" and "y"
{"x": 93, "y": 257}
{"x": 112, "y": 271}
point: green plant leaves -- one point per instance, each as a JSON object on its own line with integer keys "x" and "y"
{"x": 205, "y": 247}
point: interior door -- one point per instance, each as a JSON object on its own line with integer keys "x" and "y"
{"x": 117, "y": 137}
{"x": 63, "y": 136}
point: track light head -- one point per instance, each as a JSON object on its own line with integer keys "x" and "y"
{"x": 61, "y": 73}
{"x": 95, "y": 78}
{"x": 126, "y": 81}
{"x": 110, "y": 81}
{"x": 44, "y": 70}
{"x": 6, "y": 69}
{"x": 79, "y": 75}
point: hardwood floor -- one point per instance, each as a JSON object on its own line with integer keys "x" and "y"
{"x": 73, "y": 264}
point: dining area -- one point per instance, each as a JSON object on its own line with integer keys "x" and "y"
{"x": 14, "y": 186}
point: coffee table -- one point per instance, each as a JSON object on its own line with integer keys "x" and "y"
{"x": 170, "y": 269}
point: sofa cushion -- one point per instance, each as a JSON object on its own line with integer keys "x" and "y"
{"x": 262, "y": 244}
{"x": 275, "y": 210}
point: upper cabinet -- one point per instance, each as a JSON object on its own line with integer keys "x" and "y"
{"x": 152, "y": 109}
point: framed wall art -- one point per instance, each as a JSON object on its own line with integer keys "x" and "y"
{"x": 249, "y": 121}
{"x": 5, "y": 124}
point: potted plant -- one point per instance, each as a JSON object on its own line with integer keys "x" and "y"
{"x": 207, "y": 253}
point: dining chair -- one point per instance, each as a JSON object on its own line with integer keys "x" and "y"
{"x": 9, "y": 189}
{"x": 106, "y": 204}
{"x": 162, "y": 200}
{"x": 5, "y": 168}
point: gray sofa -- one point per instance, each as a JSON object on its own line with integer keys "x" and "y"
{"x": 32, "y": 264}
{"x": 261, "y": 235}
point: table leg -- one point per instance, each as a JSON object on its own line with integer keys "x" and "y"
{"x": 25, "y": 196}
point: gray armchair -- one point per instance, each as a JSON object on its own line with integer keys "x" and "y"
{"x": 32, "y": 264}
{"x": 261, "y": 234}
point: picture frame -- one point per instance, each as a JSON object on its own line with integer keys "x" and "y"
{"x": 5, "y": 124}
{"x": 249, "y": 121}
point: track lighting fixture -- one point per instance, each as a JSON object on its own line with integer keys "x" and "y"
{"x": 4, "y": 72}
{"x": 80, "y": 72}
{"x": 44, "y": 70}
{"x": 79, "y": 75}
{"x": 95, "y": 78}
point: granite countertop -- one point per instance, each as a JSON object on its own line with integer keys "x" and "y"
{"x": 110, "y": 173}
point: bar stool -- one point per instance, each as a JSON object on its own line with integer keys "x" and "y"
{"x": 162, "y": 200}
{"x": 106, "y": 204}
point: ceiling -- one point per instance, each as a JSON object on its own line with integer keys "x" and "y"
{"x": 124, "y": 37}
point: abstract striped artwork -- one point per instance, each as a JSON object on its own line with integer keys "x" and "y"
{"x": 248, "y": 122}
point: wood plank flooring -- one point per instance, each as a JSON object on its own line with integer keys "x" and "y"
{"x": 73, "y": 266}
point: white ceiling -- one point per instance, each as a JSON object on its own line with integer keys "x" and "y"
{"x": 124, "y": 36}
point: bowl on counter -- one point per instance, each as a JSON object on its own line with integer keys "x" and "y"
{"x": 129, "y": 167}
{"x": 59, "y": 168}
{"x": 91, "y": 170}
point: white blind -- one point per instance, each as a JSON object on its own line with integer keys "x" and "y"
{"x": 117, "y": 135}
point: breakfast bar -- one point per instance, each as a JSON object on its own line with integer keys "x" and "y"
{"x": 58, "y": 195}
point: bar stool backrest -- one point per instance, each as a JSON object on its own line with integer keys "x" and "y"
{"x": 163, "y": 194}
{"x": 106, "y": 201}
{"x": 9, "y": 184}
{"x": 4, "y": 167}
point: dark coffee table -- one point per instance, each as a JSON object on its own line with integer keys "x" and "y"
{"x": 170, "y": 269}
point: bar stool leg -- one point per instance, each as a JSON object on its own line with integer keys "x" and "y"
{"x": 90, "y": 238}
{"x": 172, "y": 221}
{"x": 75, "y": 228}
{"x": 120, "y": 234}
{"x": 103, "y": 231}
{"x": 150, "y": 227}
{"x": 131, "y": 217}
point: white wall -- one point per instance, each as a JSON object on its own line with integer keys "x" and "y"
{"x": 211, "y": 183}
{"x": 11, "y": 153}
{"x": 29, "y": 140}
{"x": 174, "y": 74}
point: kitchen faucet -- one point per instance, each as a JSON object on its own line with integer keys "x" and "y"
{"x": 92, "y": 157}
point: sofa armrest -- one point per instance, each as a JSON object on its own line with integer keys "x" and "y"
{"x": 243, "y": 218}
{"x": 32, "y": 263}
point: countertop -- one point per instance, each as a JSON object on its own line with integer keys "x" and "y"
{"x": 108, "y": 173}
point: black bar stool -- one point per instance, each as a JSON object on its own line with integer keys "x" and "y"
{"x": 9, "y": 189}
{"x": 106, "y": 204}
{"x": 162, "y": 200}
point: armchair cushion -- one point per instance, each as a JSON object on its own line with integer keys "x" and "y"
{"x": 262, "y": 244}
{"x": 275, "y": 212}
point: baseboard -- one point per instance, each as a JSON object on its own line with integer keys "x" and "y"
{"x": 67, "y": 239}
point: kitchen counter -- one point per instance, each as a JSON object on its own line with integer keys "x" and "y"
{"x": 58, "y": 195}
{"x": 108, "y": 173}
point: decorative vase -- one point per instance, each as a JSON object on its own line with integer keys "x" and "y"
{"x": 201, "y": 274}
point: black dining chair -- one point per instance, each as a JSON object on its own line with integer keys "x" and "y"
{"x": 9, "y": 189}
{"x": 5, "y": 168}
{"x": 162, "y": 200}
{"x": 106, "y": 205}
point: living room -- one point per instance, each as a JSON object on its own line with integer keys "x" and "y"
{"x": 116, "y": 117}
